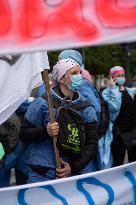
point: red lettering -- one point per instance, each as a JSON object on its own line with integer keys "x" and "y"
{"x": 40, "y": 17}
{"x": 40, "y": 21}
{"x": 113, "y": 16}
{"x": 5, "y": 17}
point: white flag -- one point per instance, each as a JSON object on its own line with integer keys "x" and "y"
{"x": 19, "y": 75}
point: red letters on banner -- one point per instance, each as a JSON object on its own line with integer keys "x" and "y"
{"x": 112, "y": 15}
{"x": 5, "y": 17}
{"x": 40, "y": 18}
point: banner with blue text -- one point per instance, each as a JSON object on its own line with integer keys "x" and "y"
{"x": 116, "y": 186}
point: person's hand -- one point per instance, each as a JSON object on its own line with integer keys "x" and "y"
{"x": 65, "y": 171}
{"x": 111, "y": 82}
{"x": 53, "y": 129}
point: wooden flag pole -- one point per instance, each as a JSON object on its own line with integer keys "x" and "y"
{"x": 51, "y": 114}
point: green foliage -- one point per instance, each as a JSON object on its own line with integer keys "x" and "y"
{"x": 99, "y": 59}
{"x": 53, "y": 57}
{"x": 133, "y": 61}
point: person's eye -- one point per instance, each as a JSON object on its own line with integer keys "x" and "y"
{"x": 74, "y": 73}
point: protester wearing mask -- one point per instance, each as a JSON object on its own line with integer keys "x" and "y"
{"x": 122, "y": 115}
{"x": 37, "y": 129}
{"x": 87, "y": 89}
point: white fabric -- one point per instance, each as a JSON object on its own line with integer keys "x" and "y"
{"x": 17, "y": 81}
{"x": 114, "y": 186}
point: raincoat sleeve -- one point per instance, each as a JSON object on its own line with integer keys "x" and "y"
{"x": 34, "y": 127}
{"x": 113, "y": 97}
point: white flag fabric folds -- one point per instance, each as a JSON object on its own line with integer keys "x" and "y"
{"x": 116, "y": 186}
{"x": 29, "y": 25}
{"x": 19, "y": 75}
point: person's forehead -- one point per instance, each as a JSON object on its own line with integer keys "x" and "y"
{"x": 74, "y": 68}
{"x": 119, "y": 75}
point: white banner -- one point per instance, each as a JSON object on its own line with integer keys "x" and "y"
{"x": 28, "y": 25}
{"x": 19, "y": 74}
{"x": 116, "y": 186}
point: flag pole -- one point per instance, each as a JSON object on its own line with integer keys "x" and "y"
{"x": 51, "y": 114}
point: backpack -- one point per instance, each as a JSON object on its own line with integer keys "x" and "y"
{"x": 104, "y": 117}
{"x": 71, "y": 137}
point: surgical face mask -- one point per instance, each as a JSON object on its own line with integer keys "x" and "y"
{"x": 120, "y": 81}
{"x": 76, "y": 81}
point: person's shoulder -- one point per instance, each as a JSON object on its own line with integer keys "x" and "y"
{"x": 87, "y": 88}
{"x": 131, "y": 91}
{"x": 36, "y": 110}
{"x": 88, "y": 112}
{"x": 87, "y": 83}
{"x": 38, "y": 102}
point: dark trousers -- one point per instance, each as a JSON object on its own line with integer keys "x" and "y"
{"x": 21, "y": 178}
{"x": 119, "y": 149}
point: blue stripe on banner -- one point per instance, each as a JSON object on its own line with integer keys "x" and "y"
{"x": 96, "y": 182}
{"x": 22, "y": 201}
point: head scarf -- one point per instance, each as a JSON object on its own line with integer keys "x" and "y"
{"x": 86, "y": 75}
{"x": 61, "y": 67}
{"x": 73, "y": 54}
{"x": 116, "y": 70}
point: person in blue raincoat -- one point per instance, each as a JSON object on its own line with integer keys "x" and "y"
{"x": 122, "y": 108}
{"x": 9, "y": 132}
{"x": 16, "y": 152}
{"x": 87, "y": 89}
{"x": 38, "y": 131}
{"x": 21, "y": 168}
